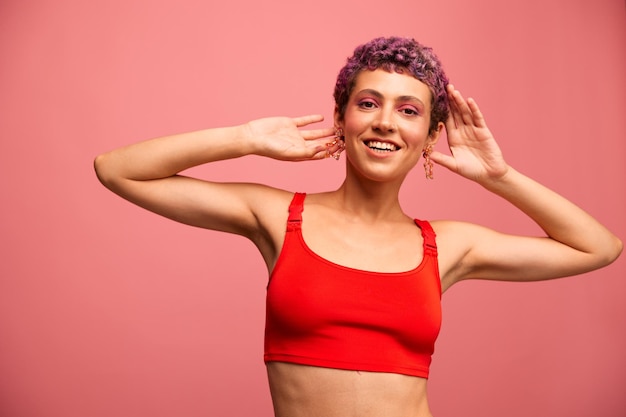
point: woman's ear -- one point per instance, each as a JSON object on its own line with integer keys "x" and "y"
{"x": 338, "y": 120}
{"x": 434, "y": 136}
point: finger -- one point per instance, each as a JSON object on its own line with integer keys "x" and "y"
{"x": 313, "y": 150}
{"x": 323, "y": 148}
{"x": 454, "y": 119}
{"x": 315, "y": 146}
{"x": 479, "y": 119}
{"x": 450, "y": 122}
{"x": 320, "y": 152}
{"x": 307, "y": 120}
{"x": 335, "y": 148}
{"x": 444, "y": 160}
{"x": 317, "y": 133}
{"x": 464, "y": 111}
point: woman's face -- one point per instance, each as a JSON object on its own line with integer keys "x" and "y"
{"x": 386, "y": 124}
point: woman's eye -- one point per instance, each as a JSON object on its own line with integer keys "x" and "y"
{"x": 409, "y": 111}
{"x": 367, "y": 104}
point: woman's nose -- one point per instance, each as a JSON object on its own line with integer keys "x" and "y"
{"x": 384, "y": 121}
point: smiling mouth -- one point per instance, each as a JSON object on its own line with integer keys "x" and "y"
{"x": 378, "y": 146}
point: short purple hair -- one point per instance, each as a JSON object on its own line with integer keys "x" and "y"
{"x": 396, "y": 54}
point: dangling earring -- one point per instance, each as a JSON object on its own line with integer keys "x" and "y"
{"x": 428, "y": 164}
{"x": 339, "y": 141}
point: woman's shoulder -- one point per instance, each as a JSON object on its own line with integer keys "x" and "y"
{"x": 456, "y": 240}
{"x": 457, "y": 236}
{"x": 455, "y": 228}
{"x": 267, "y": 201}
{"x": 266, "y": 192}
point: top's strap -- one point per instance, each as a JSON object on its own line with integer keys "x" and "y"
{"x": 295, "y": 211}
{"x": 430, "y": 244}
{"x": 294, "y": 221}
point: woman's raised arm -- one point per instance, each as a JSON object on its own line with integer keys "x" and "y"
{"x": 147, "y": 173}
{"x": 575, "y": 241}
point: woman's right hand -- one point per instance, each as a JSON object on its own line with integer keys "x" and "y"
{"x": 282, "y": 138}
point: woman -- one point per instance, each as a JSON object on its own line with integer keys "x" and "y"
{"x": 353, "y": 304}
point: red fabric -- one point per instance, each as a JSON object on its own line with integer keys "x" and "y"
{"x": 322, "y": 314}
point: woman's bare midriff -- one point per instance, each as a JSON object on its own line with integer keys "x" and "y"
{"x": 308, "y": 391}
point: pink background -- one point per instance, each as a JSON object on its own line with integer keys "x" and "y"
{"x": 107, "y": 310}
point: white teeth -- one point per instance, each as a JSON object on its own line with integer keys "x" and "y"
{"x": 381, "y": 146}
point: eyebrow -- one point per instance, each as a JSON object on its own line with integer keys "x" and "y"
{"x": 379, "y": 95}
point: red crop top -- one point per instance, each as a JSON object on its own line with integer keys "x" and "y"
{"x": 322, "y": 314}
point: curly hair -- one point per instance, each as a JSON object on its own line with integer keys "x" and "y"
{"x": 396, "y": 54}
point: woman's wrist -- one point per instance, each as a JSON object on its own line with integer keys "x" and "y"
{"x": 247, "y": 140}
{"x": 502, "y": 182}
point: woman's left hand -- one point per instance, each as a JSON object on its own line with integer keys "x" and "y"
{"x": 475, "y": 153}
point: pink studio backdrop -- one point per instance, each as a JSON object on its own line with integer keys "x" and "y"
{"x": 107, "y": 310}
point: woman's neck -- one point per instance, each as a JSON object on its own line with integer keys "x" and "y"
{"x": 371, "y": 201}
